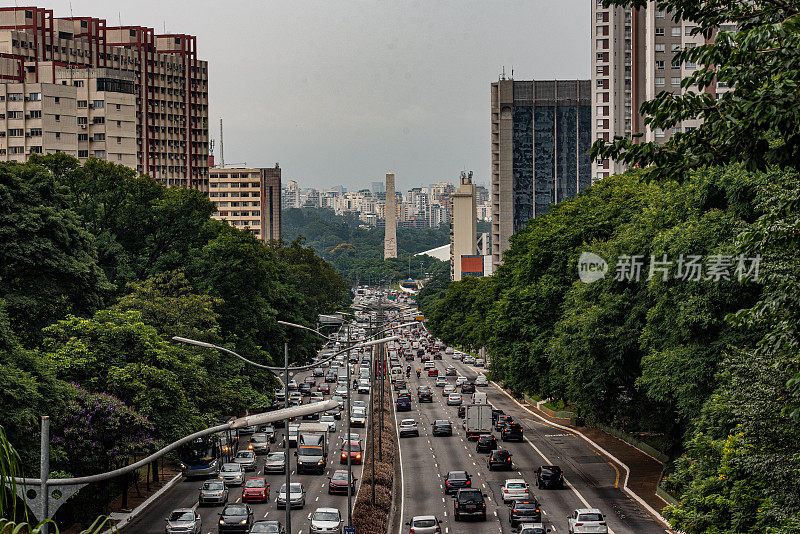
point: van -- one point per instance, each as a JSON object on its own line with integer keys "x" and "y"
{"x": 479, "y": 398}
{"x": 396, "y": 373}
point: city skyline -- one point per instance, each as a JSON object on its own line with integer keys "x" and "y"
{"x": 397, "y": 88}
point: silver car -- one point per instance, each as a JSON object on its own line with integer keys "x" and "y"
{"x": 184, "y": 520}
{"x": 297, "y": 496}
{"x": 213, "y": 492}
{"x": 454, "y": 399}
{"x": 424, "y": 524}
{"x": 448, "y": 389}
{"x": 275, "y": 462}
{"x": 326, "y": 521}
{"x": 330, "y": 421}
{"x": 232, "y": 474}
{"x": 533, "y": 528}
{"x": 259, "y": 443}
{"x": 247, "y": 459}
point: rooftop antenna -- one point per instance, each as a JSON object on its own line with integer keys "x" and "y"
{"x": 512, "y": 72}
{"x": 221, "y": 146}
{"x": 503, "y": 74}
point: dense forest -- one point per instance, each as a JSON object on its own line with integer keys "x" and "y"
{"x": 356, "y": 251}
{"x": 99, "y": 268}
{"x": 691, "y": 337}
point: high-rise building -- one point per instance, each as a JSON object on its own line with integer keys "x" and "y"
{"x": 390, "y": 237}
{"x": 541, "y": 134}
{"x": 248, "y": 198}
{"x": 121, "y": 93}
{"x": 633, "y": 53}
{"x": 464, "y": 231}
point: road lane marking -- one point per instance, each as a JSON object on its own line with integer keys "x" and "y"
{"x": 616, "y": 481}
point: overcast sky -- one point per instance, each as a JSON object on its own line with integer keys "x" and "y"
{"x": 340, "y": 92}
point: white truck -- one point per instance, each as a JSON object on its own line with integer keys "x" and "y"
{"x": 477, "y": 420}
{"x": 312, "y": 447}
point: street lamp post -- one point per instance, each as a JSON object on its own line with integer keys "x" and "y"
{"x": 286, "y": 440}
{"x": 347, "y": 442}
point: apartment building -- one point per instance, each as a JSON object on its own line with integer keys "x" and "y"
{"x": 248, "y": 199}
{"x": 142, "y": 97}
{"x": 540, "y": 138}
{"x": 633, "y": 59}
{"x": 464, "y": 231}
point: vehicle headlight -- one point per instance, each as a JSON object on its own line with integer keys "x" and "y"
{"x": 221, "y": 521}
{"x": 243, "y": 522}
{"x": 321, "y": 462}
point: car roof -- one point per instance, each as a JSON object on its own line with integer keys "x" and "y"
{"x": 588, "y": 511}
{"x": 327, "y": 509}
{"x": 515, "y": 481}
{"x": 423, "y": 517}
{"x": 176, "y": 510}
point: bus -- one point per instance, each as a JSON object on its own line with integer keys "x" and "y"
{"x": 204, "y": 456}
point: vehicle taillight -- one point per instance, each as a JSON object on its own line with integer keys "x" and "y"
{"x": 578, "y": 524}
{"x": 469, "y": 483}
{"x": 505, "y": 491}
{"x": 250, "y": 446}
{"x": 447, "y": 482}
{"x": 515, "y": 511}
{"x": 438, "y": 529}
{"x": 603, "y": 523}
{"x": 358, "y": 456}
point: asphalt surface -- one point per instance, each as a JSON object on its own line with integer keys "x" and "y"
{"x": 592, "y": 480}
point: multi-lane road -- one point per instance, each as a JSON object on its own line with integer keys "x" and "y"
{"x": 592, "y": 481}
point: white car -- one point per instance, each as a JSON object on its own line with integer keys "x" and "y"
{"x": 480, "y": 362}
{"x": 441, "y": 382}
{"x": 326, "y": 521}
{"x": 359, "y": 404}
{"x": 328, "y": 420}
{"x": 481, "y": 380}
{"x": 587, "y": 520}
{"x": 424, "y": 524}
{"x": 297, "y": 496}
{"x": 408, "y": 427}
{"x": 358, "y": 417}
{"x": 454, "y": 399}
{"x": 363, "y": 386}
{"x": 232, "y": 474}
{"x": 341, "y": 391}
{"x": 469, "y": 360}
{"x": 516, "y": 489}
{"x": 461, "y": 380}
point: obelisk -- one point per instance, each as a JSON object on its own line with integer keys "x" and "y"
{"x": 390, "y": 213}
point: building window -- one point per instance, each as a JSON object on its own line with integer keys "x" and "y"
{"x": 659, "y": 64}
{"x": 659, "y": 47}
{"x": 99, "y": 137}
{"x": 118, "y": 107}
{"x": 16, "y": 132}
{"x": 119, "y": 140}
{"x": 36, "y": 132}
{"x": 35, "y": 97}
{"x": 57, "y": 118}
{"x": 83, "y": 153}
{"x": 659, "y": 82}
{"x": 675, "y": 47}
{"x": 56, "y": 100}
{"x": 675, "y": 82}
{"x": 100, "y": 154}
{"x": 82, "y": 104}
{"x": 14, "y": 114}
{"x": 16, "y": 150}
{"x": 689, "y": 29}
{"x": 36, "y": 150}
{"x": 77, "y": 83}
{"x": 658, "y": 132}
{"x": 660, "y": 31}
{"x": 660, "y": 14}
{"x": 83, "y": 137}
{"x": 98, "y": 103}
{"x": 676, "y": 31}
{"x": 99, "y": 120}
{"x": 58, "y": 135}
{"x": 82, "y": 120}
{"x": 36, "y": 113}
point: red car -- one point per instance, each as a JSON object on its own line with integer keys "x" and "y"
{"x": 433, "y": 371}
{"x": 324, "y": 388}
{"x": 338, "y": 483}
{"x": 354, "y": 448}
{"x": 255, "y": 489}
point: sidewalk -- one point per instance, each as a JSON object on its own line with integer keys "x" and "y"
{"x": 645, "y": 471}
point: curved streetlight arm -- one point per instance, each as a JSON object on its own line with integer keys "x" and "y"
{"x": 250, "y": 420}
{"x": 294, "y": 325}
{"x": 276, "y": 369}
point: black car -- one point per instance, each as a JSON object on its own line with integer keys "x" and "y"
{"x": 467, "y": 387}
{"x": 511, "y": 431}
{"x": 499, "y": 459}
{"x": 442, "y": 427}
{"x": 425, "y": 395}
{"x": 469, "y": 503}
{"x": 305, "y": 389}
{"x": 236, "y": 517}
{"x": 330, "y": 378}
{"x": 486, "y": 443}
{"x": 549, "y": 476}
{"x": 526, "y": 511}
{"x": 455, "y": 480}
{"x": 501, "y": 422}
{"x": 495, "y": 414}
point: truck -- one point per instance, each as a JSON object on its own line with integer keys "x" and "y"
{"x": 312, "y": 448}
{"x": 477, "y": 420}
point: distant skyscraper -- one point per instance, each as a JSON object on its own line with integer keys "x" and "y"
{"x": 541, "y": 134}
{"x": 378, "y": 187}
{"x": 390, "y": 239}
{"x": 463, "y": 232}
{"x": 248, "y": 198}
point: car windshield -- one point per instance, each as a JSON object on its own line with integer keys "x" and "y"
{"x": 255, "y": 483}
{"x": 275, "y": 457}
{"x": 265, "y": 528}
{"x": 470, "y": 496}
{"x": 312, "y": 451}
{"x": 530, "y": 530}
{"x": 590, "y": 517}
{"x": 326, "y": 516}
{"x": 457, "y": 475}
{"x": 235, "y": 509}
{"x": 351, "y": 446}
{"x": 181, "y": 516}
{"x": 230, "y": 468}
{"x": 408, "y": 422}
{"x": 515, "y": 485}
{"x": 442, "y": 423}
{"x": 339, "y": 475}
{"x": 258, "y": 438}
{"x": 248, "y": 455}
{"x": 213, "y": 486}
{"x": 296, "y": 488}
{"x": 419, "y": 523}
{"x": 526, "y": 506}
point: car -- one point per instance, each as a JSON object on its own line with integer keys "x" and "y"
{"x": 184, "y": 520}
{"x": 455, "y": 480}
{"x": 467, "y": 387}
{"x": 275, "y": 462}
{"x": 400, "y": 384}
{"x": 292, "y": 385}
{"x": 255, "y": 489}
{"x": 499, "y": 459}
{"x": 267, "y": 527}
{"x": 324, "y": 388}
{"x": 469, "y": 503}
{"x": 269, "y": 431}
{"x": 440, "y": 382}
{"x": 469, "y": 360}
{"x": 259, "y": 443}
{"x": 479, "y": 362}
{"x": 354, "y": 436}
{"x": 424, "y": 524}
{"x": 235, "y": 517}
{"x": 316, "y": 396}
{"x": 339, "y": 400}
{"x": 408, "y": 427}
{"x": 481, "y": 380}
{"x": 524, "y": 511}
{"x": 247, "y": 459}
{"x": 310, "y": 380}
{"x": 512, "y": 431}
{"x": 486, "y": 443}
{"x": 424, "y": 394}
{"x": 305, "y": 389}
{"x": 403, "y": 403}
{"x": 454, "y": 399}
{"x": 358, "y": 418}
{"x": 297, "y": 496}
{"x": 501, "y": 422}
{"x": 326, "y": 520}
{"x": 448, "y": 389}
{"x": 462, "y": 411}
{"x": 354, "y": 449}
{"x": 341, "y": 391}
{"x": 319, "y": 371}
{"x": 337, "y": 483}
{"x": 442, "y": 427}
{"x": 330, "y": 421}
{"x": 213, "y": 492}
{"x": 515, "y": 489}
{"x": 584, "y": 520}
{"x": 433, "y": 372}
{"x": 495, "y": 414}
{"x": 549, "y": 476}
{"x": 461, "y": 380}
{"x": 359, "y": 404}
{"x": 330, "y": 378}
{"x": 232, "y": 474}
{"x": 336, "y": 412}
{"x": 449, "y": 371}
{"x": 363, "y": 386}
{"x": 280, "y": 395}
